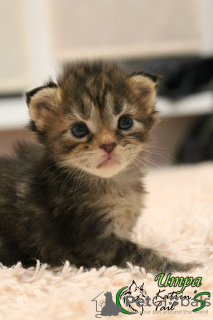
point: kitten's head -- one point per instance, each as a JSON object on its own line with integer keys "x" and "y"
{"x": 96, "y": 118}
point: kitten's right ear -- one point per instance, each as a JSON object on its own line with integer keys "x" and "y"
{"x": 144, "y": 85}
{"x": 42, "y": 102}
{"x": 154, "y": 77}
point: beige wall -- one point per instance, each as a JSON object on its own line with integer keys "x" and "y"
{"x": 36, "y": 36}
{"x": 168, "y": 136}
{"x": 123, "y": 28}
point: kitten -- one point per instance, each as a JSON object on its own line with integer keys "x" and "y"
{"x": 77, "y": 194}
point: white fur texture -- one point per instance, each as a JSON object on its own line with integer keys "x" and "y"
{"x": 178, "y": 221}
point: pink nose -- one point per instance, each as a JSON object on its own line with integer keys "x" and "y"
{"x": 108, "y": 147}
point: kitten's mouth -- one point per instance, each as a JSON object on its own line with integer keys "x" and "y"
{"x": 109, "y": 162}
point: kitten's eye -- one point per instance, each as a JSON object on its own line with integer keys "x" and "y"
{"x": 124, "y": 123}
{"x": 80, "y": 130}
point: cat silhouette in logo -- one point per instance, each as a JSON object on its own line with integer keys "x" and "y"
{"x": 134, "y": 291}
{"x": 110, "y": 308}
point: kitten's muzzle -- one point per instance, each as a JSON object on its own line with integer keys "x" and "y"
{"x": 108, "y": 147}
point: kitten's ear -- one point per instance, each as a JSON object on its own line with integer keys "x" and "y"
{"x": 154, "y": 77}
{"x": 42, "y": 102}
{"x": 144, "y": 86}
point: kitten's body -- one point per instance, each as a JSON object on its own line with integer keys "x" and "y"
{"x": 55, "y": 217}
{"x": 53, "y": 207}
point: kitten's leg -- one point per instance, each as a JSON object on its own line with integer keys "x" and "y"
{"x": 116, "y": 251}
{"x": 10, "y": 255}
{"x": 148, "y": 258}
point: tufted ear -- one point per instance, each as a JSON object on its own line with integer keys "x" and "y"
{"x": 42, "y": 102}
{"x": 144, "y": 86}
{"x": 151, "y": 76}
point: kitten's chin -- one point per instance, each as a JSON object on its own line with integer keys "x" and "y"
{"x": 107, "y": 170}
{"x": 108, "y": 163}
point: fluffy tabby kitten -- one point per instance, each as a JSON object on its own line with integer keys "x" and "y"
{"x": 77, "y": 194}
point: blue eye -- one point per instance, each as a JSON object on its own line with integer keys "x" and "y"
{"x": 125, "y": 123}
{"x": 80, "y": 130}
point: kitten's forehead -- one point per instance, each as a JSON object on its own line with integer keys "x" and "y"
{"x": 97, "y": 95}
{"x": 117, "y": 106}
{"x": 105, "y": 116}
{"x": 97, "y": 83}
{"x": 110, "y": 105}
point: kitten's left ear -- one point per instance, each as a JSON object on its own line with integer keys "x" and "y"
{"x": 43, "y": 104}
{"x": 144, "y": 86}
{"x": 31, "y": 93}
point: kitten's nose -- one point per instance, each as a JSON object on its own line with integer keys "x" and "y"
{"x": 108, "y": 147}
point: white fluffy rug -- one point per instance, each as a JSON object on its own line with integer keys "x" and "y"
{"x": 178, "y": 221}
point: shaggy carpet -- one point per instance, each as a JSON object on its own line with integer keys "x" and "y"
{"x": 178, "y": 221}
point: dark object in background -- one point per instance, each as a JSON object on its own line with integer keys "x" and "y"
{"x": 191, "y": 77}
{"x": 180, "y": 76}
{"x": 199, "y": 144}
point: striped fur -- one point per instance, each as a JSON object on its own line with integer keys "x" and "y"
{"x": 57, "y": 201}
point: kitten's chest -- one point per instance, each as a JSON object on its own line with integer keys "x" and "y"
{"x": 125, "y": 208}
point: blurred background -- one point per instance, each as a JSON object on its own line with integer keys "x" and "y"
{"x": 170, "y": 38}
